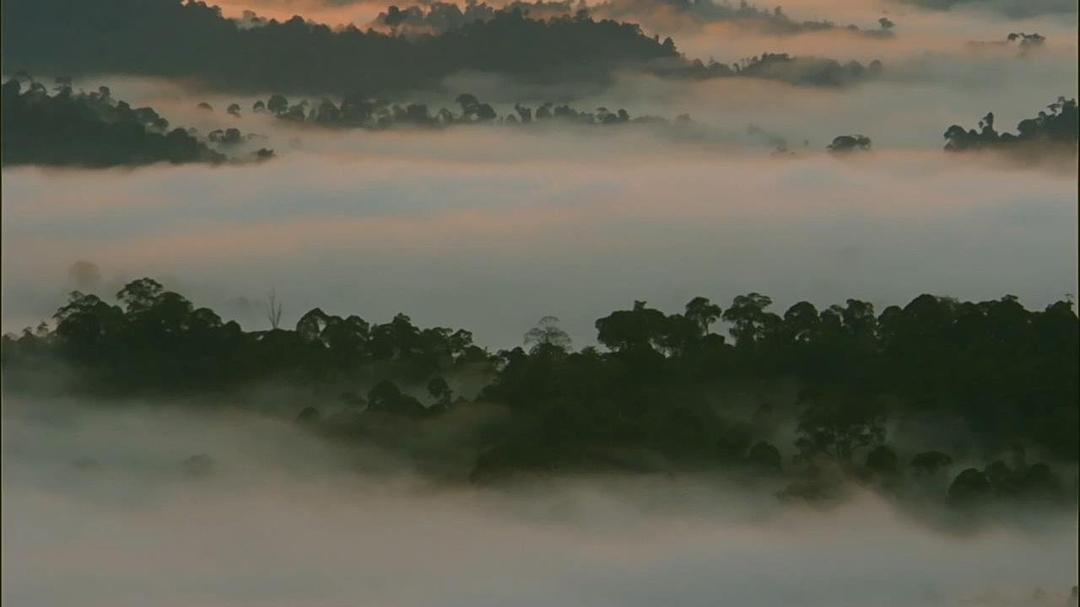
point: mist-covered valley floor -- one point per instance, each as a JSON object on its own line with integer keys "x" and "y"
{"x": 152, "y": 504}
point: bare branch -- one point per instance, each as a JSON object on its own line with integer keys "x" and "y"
{"x": 273, "y": 309}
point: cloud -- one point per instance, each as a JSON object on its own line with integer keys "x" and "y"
{"x": 98, "y": 510}
{"x": 490, "y": 229}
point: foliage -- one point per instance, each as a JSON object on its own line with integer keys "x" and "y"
{"x": 92, "y": 129}
{"x": 358, "y": 111}
{"x": 190, "y": 39}
{"x": 1008, "y": 373}
{"x": 89, "y": 129}
{"x": 1055, "y": 129}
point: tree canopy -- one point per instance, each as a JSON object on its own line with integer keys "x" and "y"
{"x": 193, "y": 40}
{"x": 1053, "y": 130}
{"x": 93, "y": 129}
{"x": 1007, "y": 374}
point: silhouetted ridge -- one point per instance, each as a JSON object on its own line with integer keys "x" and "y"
{"x": 357, "y": 111}
{"x": 193, "y": 40}
{"x": 441, "y": 17}
{"x": 93, "y": 129}
{"x": 1053, "y": 131}
{"x": 1003, "y": 377}
{"x": 1016, "y": 9}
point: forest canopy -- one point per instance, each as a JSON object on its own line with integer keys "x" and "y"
{"x": 355, "y": 111}
{"x": 1005, "y": 377}
{"x": 176, "y": 39}
{"x": 439, "y": 17}
{"x": 92, "y": 129}
{"x": 1050, "y": 131}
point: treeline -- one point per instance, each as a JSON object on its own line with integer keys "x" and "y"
{"x": 1003, "y": 377}
{"x": 93, "y": 129}
{"x": 772, "y": 21}
{"x": 193, "y": 40}
{"x": 190, "y": 39}
{"x": 156, "y": 341}
{"x": 1054, "y": 130}
{"x": 803, "y": 71}
{"x": 1018, "y": 9}
{"x": 441, "y": 17}
{"x": 359, "y": 112}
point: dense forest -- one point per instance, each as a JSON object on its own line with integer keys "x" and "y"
{"x": 440, "y": 17}
{"x": 772, "y": 21}
{"x": 373, "y": 113}
{"x": 93, "y": 129}
{"x": 1052, "y": 131}
{"x": 190, "y": 39}
{"x": 1019, "y": 9}
{"x": 914, "y": 392}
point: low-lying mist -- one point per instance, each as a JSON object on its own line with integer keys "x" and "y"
{"x": 149, "y": 504}
{"x": 493, "y": 228}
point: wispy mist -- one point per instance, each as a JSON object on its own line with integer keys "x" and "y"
{"x": 103, "y": 507}
{"x": 490, "y": 229}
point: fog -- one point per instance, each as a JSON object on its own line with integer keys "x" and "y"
{"x": 103, "y": 506}
{"x": 206, "y": 501}
{"x": 491, "y": 228}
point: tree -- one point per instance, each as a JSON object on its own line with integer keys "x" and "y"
{"x": 838, "y": 427}
{"x": 882, "y": 460}
{"x": 86, "y": 321}
{"x": 750, "y": 322}
{"x": 546, "y": 336}
{"x": 930, "y": 462}
{"x": 388, "y": 398}
{"x": 637, "y": 329}
{"x": 311, "y": 325}
{"x": 801, "y": 322}
{"x": 140, "y": 295}
{"x": 970, "y": 487}
{"x": 440, "y": 391}
{"x": 845, "y": 144}
{"x": 272, "y": 308}
{"x": 277, "y": 104}
{"x": 703, "y": 313}
{"x": 469, "y": 105}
